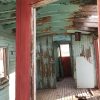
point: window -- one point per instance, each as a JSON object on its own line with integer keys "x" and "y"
{"x": 65, "y": 50}
{"x": 3, "y": 66}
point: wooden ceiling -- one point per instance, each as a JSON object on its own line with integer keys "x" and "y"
{"x": 68, "y": 16}
{"x": 7, "y": 16}
{"x": 40, "y": 3}
{"x": 63, "y": 16}
{"x": 86, "y": 18}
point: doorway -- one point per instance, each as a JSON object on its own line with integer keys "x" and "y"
{"x": 66, "y": 59}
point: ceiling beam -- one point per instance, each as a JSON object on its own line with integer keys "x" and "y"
{"x": 41, "y": 3}
{"x": 81, "y": 28}
{"x": 86, "y": 24}
{"x": 6, "y": 20}
{"x": 89, "y": 20}
{"x": 87, "y": 29}
{"x": 43, "y": 20}
{"x": 87, "y": 8}
{"x": 8, "y": 11}
{"x": 80, "y": 13}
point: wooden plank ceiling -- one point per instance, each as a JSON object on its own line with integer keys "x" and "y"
{"x": 7, "y": 16}
{"x": 86, "y": 18}
{"x": 68, "y": 16}
{"x": 63, "y": 16}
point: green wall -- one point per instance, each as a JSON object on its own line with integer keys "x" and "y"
{"x": 46, "y": 73}
{"x": 8, "y": 40}
{"x": 46, "y": 50}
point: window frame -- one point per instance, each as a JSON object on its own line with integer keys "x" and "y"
{"x": 5, "y": 79}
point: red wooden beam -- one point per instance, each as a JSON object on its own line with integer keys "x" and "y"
{"x": 23, "y": 49}
{"x": 98, "y": 47}
{"x": 97, "y": 61}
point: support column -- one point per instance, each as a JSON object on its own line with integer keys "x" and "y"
{"x": 23, "y": 49}
{"x": 98, "y": 45}
{"x": 97, "y": 60}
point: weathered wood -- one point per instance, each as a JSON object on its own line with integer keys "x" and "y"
{"x": 39, "y": 3}
{"x": 88, "y": 8}
{"x": 7, "y": 11}
{"x": 81, "y": 28}
{"x": 87, "y": 13}
{"x": 86, "y": 24}
{"x": 87, "y": 29}
{"x": 66, "y": 91}
{"x": 90, "y": 20}
{"x": 43, "y": 20}
{"x": 90, "y": 24}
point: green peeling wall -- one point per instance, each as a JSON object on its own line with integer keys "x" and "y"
{"x": 46, "y": 75}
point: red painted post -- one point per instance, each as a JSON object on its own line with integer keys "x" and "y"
{"x": 23, "y": 49}
{"x": 98, "y": 45}
{"x": 97, "y": 60}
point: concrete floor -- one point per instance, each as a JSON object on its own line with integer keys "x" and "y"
{"x": 66, "y": 90}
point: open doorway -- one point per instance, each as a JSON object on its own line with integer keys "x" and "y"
{"x": 66, "y": 59}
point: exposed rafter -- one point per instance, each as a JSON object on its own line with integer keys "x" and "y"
{"x": 40, "y": 3}
{"x": 7, "y": 11}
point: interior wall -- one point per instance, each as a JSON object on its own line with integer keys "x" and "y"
{"x": 84, "y": 48}
{"x": 8, "y": 92}
{"x": 46, "y": 76}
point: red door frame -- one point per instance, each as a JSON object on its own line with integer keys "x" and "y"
{"x": 23, "y": 48}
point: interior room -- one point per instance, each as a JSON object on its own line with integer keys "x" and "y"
{"x": 49, "y": 50}
{"x": 66, "y": 56}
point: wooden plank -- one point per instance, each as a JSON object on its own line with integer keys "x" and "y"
{"x": 66, "y": 90}
{"x": 90, "y": 20}
{"x": 87, "y": 29}
{"x": 88, "y": 8}
{"x": 43, "y": 20}
{"x": 87, "y": 13}
{"x": 39, "y": 3}
{"x": 5, "y": 20}
{"x": 90, "y": 24}
{"x": 86, "y": 24}
{"x": 81, "y": 28}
